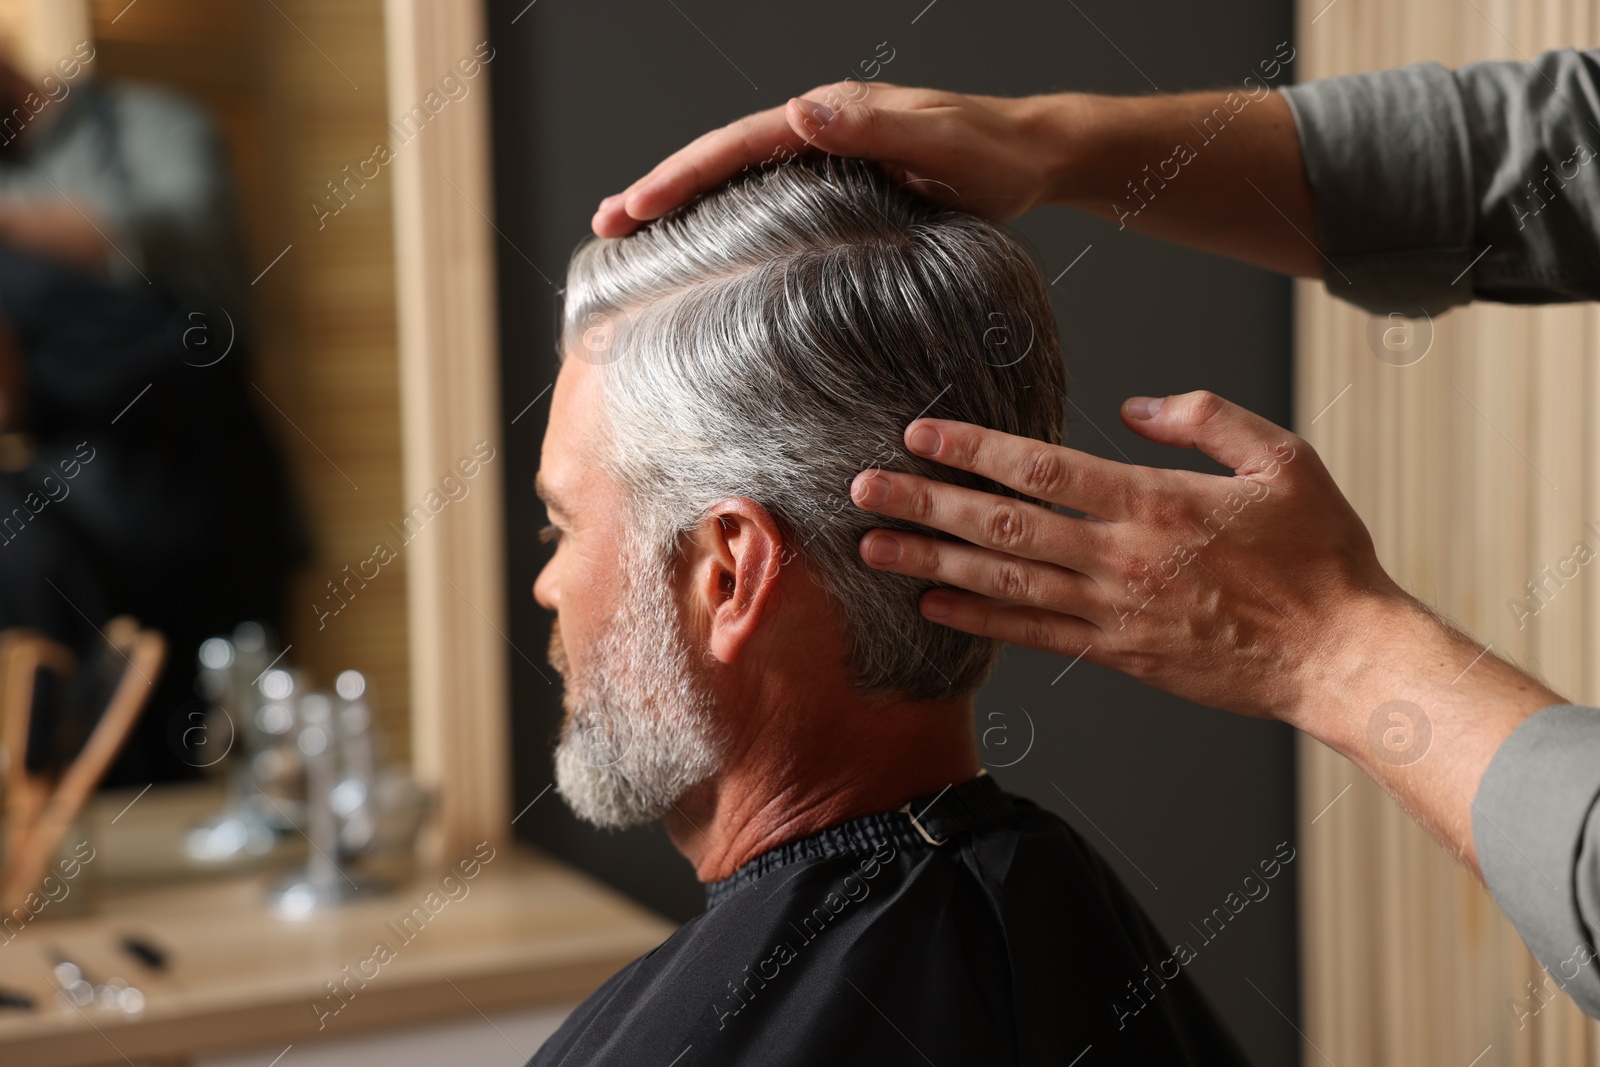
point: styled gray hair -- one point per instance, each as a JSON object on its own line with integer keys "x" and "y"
{"x": 773, "y": 339}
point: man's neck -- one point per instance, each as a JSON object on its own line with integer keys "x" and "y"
{"x": 812, "y": 767}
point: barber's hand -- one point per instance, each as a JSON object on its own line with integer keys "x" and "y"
{"x": 987, "y": 155}
{"x": 1235, "y": 592}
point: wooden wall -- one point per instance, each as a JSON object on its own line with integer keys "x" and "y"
{"x": 1473, "y": 468}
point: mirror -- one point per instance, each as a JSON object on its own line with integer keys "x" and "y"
{"x": 200, "y": 394}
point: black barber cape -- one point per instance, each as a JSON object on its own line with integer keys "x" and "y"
{"x": 998, "y": 938}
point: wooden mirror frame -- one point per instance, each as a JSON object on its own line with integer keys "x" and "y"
{"x": 449, "y": 384}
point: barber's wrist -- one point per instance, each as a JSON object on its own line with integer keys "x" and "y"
{"x": 1067, "y": 132}
{"x": 1097, "y": 144}
{"x": 1388, "y": 649}
{"x": 1371, "y": 642}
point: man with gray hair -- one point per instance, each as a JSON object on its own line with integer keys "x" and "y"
{"x": 733, "y": 669}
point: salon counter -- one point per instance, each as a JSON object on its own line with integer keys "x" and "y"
{"x": 525, "y": 932}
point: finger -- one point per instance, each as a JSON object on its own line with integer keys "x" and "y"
{"x": 611, "y": 219}
{"x": 766, "y": 136}
{"x": 709, "y": 161}
{"x": 1233, "y": 436}
{"x": 703, "y": 164}
{"x": 1047, "y": 631}
{"x": 1015, "y": 527}
{"x": 906, "y": 142}
{"x": 1037, "y": 468}
{"x": 989, "y": 573}
{"x": 860, "y": 131}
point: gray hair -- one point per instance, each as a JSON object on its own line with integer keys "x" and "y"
{"x": 773, "y": 338}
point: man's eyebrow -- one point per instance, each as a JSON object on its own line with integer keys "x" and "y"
{"x": 542, "y": 489}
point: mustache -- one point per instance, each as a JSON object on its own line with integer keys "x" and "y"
{"x": 557, "y": 652}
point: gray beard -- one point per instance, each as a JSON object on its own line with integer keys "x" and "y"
{"x": 639, "y": 731}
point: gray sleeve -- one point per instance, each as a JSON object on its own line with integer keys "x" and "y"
{"x": 1434, "y": 188}
{"x": 1536, "y": 826}
{"x": 176, "y": 206}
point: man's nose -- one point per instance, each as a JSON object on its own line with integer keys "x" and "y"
{"x": 545, "y": 589}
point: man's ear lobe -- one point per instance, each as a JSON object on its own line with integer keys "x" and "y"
{"x": 741, "y": 568}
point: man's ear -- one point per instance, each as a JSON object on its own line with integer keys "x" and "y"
{"x": 735, "y": 569}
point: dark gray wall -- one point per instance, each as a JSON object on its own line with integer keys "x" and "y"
{"x": 1183, "y": 801}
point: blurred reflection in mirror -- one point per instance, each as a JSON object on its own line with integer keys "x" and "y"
{"x": 137, "y": 477}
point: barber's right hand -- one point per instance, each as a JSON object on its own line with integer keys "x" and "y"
{"x": 986, "y": 155}
{"x": 1252, "y": 592}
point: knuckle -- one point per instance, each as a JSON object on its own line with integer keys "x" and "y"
{"x": 841, "y": 97}
{"x": 1037, "y": 632}
{"x": 1125, "y": 500}
{"x": 1205, "y": 406}
{"x": 961, "y": 449}
{"x": 1166, "y": 500}
{"x": 1012, "y": 582}
{"x": 919, "y": 502}
{"x": 1045, "y": 473}
{"x": 1129, "y": 568}
{"x": 1161, "y": 511}
{"x": 924, "y": 558}
{"x": 1005, "y": 527}
{"x": 1292, "y": 446}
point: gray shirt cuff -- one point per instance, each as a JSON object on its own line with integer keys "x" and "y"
{"x": 1436, "y": 187}
{"x": 1536, "y": 827}
{"x": 1386, "y": 154}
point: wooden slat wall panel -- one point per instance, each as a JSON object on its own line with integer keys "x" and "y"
{"x": 1474, "y": 469}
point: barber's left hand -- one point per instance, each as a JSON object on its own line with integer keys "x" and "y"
{"x": 1242, "y": 592}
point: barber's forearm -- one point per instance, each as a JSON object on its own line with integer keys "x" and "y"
{"x": 1188, "y": 168}
{"x": 1420, "y": 707}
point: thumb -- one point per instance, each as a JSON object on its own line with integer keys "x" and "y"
{"x": 857, "y": 131}
{"x": 1231, "y": 435}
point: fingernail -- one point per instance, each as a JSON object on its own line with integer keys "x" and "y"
{"x": 821, "y": 114}
{"x": 1144, "y": 407}
{"x": 882, "y": 548}
{"x": 608, "y": 201}
{"x": 924, "y": 440}
{"x": 936, "y": 606}
{"x": 869, "y": 490}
